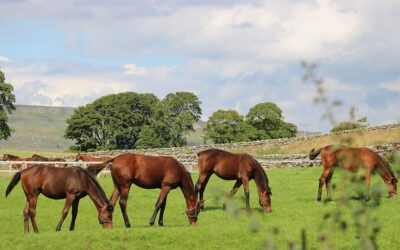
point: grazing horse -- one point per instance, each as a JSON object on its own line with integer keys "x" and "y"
{"x": 37, "y": 157}
{"x": 70, "y": 184}
{"x": 231, "y": 166}
{"x": 152, "y": 172}
{"x": 10, "y": 157}
{"x": 85, "y": 157}
{"x": 352, "y": 159}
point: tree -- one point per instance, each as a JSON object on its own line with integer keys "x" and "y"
{"x": 226, "y": 126}
{"x": 131, "y": 120}
{"x": 180, "y": 111}
{"x": 360, "y": 123}
{"x": 111, "y": 122}
{"x": 268, "y": 120}
{"x": 7, "y": 100}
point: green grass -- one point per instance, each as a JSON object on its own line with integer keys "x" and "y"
{"x": 294, "y": 208}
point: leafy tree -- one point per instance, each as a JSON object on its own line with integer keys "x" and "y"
{"x": 268, "y": 120}
{"x": 111, "y": 122}
{"x": 131, "y": 120}
{"x": 226, "y": 126}
{"x": 7, "y": 100}
{"x": 360, "y": 123}
{"x": 180, "y": 111}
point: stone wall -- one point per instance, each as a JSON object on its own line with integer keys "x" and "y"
{"x": 188, "y": 155}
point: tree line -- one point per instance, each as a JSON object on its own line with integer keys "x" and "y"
{"x": 136, "y": 121}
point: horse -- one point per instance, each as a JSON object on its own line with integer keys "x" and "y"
{"x": 232, "y": 166}
{"x": 10, "y": 157}
{"x": 37, "y": 157}
{"x": 70, "y": 184}
{"x": 85, "y": 157}
{"x": 352, "y": 159}
{"x": 150, "y": 172}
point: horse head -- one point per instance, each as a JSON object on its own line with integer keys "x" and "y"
{"x": 105, "y": 216}
{"x": 265, "y": 200}
{"x": 192, "y": 213}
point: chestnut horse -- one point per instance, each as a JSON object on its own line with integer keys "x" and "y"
{"x": 10, "y": 157}
{"x": 152, "y": 172}
{"x": 37, "y": 157}
{"x": 85, "y": 157}
{"x": 352, "y": 159}
{"x": 70, "y": 184}
{"x": 231, "y": 166}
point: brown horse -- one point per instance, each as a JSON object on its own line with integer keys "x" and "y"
{"x": 70, "y": 184}
{"x": 37, "y": 157}
{"x": 152, "y": 172}
{"x": 352, "y": 159}
{"x": 231, "y": 166}
{"x": 10, "y": 157}
{"x": 85, "y": 157}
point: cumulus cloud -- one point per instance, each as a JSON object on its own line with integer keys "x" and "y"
{"x": 132, "y": 69}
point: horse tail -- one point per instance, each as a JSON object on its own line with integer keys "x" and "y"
{"x": 313, "y": 154}
{"x": 13, "y": 182}
{"x": 96, "y": 168}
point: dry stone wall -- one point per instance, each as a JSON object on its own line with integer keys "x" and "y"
{"x": 188, "y": 155}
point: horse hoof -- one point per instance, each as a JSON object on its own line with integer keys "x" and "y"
{"x": 161, "y": 224}
{"x": 151, "y": 224}
{"x": 318, "y": 199}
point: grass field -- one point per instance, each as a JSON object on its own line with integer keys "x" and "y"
{"x": 294, "y": 208}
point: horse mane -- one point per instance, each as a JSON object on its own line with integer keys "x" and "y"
{"x": 97, "y": 186}
{"x": 261, "y": 170}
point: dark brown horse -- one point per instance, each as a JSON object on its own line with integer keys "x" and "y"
{"x": 70, "y": 184}
{"x": 10, "y": 157}
{"x": 37, "y": 157}
{"x": 231, "y": 166}
{"x": 352, "y": 159}
{"x": 85, "y": 157}
{"x": 152, "y": 172}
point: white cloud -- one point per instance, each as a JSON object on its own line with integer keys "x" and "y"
{"x": 5, "y": 59}
{"x": 393, "y": 86}
{"x": 133, "y": 69}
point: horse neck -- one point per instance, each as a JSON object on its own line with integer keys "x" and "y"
{"x": 261, "y": 180}
{"x": 187, "y": 188}
{"x": 95, "y": 194}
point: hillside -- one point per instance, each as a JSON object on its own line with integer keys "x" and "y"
{"x": 38, "y": 128}
{"x": 41, "y": 128}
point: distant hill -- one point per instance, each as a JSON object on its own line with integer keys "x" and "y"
{"x": 38, "y": 128}
{"x": 41, "y": 128}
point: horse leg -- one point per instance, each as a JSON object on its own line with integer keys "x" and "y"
{"x": 32, "y": 212}
{"x": 124, "y": 192}
{"x": 68, "y": 202}
{"x": 163, "y": 194}
{"x": 201, "y": 186}
{"x": 115, "y": 195}
{"x": 322, "y": 180}
{"x": 75, "y": 205}
{"x": 328, "y": 184}
{"x": 161, "y": 217}
{"x": 245, "y": 182}
{"x": 235, "y": 188}
{"x": 367, "y": 183}
{"x": 26, "y": 217}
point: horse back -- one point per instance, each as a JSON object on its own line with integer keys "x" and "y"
{"x": 147, "y": 171}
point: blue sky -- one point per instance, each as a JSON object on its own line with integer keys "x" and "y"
{"x": 232, "y": 54}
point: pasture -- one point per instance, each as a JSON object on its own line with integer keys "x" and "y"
{"x": 293, "y": 202}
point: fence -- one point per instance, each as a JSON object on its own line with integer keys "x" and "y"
{"x": 7, "y": 166}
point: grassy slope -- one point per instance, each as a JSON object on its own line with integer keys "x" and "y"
{"x": 293, "y": 203}
{"x": 38, "y": 128}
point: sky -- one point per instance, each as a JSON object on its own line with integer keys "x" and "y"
{"x": 231, "y": 54}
